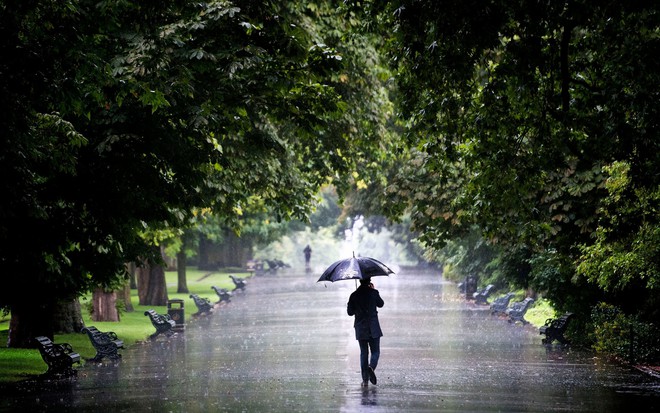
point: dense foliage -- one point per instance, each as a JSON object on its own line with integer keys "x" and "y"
{"x": 120, "y": 118}
{"x": 537, "y": 124}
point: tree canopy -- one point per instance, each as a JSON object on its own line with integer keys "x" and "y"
{"x": 122, "y": 117}
{"x": 536, "y": 122}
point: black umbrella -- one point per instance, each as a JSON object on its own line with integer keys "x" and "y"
{"x": 355, "y": 269}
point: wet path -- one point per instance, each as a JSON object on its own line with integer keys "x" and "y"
{"x": 287, "y": 345}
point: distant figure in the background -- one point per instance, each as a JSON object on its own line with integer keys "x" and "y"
{"x": 308, "y": 255}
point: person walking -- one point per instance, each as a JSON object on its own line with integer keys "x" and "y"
{"x": 362, "y": 304}
{"x": 308, "y": 255}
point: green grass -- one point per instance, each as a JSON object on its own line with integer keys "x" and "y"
{"x": 19, "y": 364}
{"x": 539, "y": 312}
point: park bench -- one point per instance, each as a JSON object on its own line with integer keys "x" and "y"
{"x": 518, "y": 309}
{"x": 163, "y": 323}
{"x": 106, "y": 344}
{"x": 481, "y": 296}
{"x": 204, "y": 306}
{"x": 554, "y": 329}
{"x": 500, "y": 304}
{"x": 238, "y": 282}
{"x": 272, "y": 266}
{"x": 223, "y": 294}
{"x": 275, "y": 264}
{"x": 59, "y": 357}
{"x": 468, "y": 287}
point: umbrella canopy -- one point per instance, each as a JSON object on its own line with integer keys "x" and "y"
{"x": 355, "y": 269}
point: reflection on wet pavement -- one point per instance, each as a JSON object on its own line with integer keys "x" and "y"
{"x": 287, "y": 345}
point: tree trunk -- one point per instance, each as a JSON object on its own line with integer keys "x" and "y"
{"x": 29, "y": 321}
{"x": 203, "y": 253}
{"x": 182, "y": 283}
{"x": 231, "y": 249}
{"x": 152, "y": 288}
{"x": 67, "y": 317}
{"x": 126, "y": 297}
{"x": 105, "y": 305}
{"x": 131, "y": 271}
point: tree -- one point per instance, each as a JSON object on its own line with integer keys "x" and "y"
{"x": 182, "y": 281}
{"x": 624, "y": 259}
{"x": 230, "y": 243}
{"x": 105, "y": 305}
{"x": 152, "y": 288}
{"x": 121, "y": 117}
{"x": 518, "y": 115}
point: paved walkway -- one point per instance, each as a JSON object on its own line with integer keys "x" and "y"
{"x": 287, "y": 345}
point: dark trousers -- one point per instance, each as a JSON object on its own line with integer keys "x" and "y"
{"x": 365, "y": 345}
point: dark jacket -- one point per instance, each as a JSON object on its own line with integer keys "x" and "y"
{"x": 362, "y": 304}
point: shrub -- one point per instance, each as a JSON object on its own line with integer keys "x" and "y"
{"x": 624, "y": 336}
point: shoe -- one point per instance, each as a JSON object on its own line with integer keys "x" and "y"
{"x": 372, "y": 376}
{"x": 365, "y": 384}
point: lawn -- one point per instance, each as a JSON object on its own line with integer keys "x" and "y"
{"x": 539, "y": 312}
{"x": 18, "y": 364}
